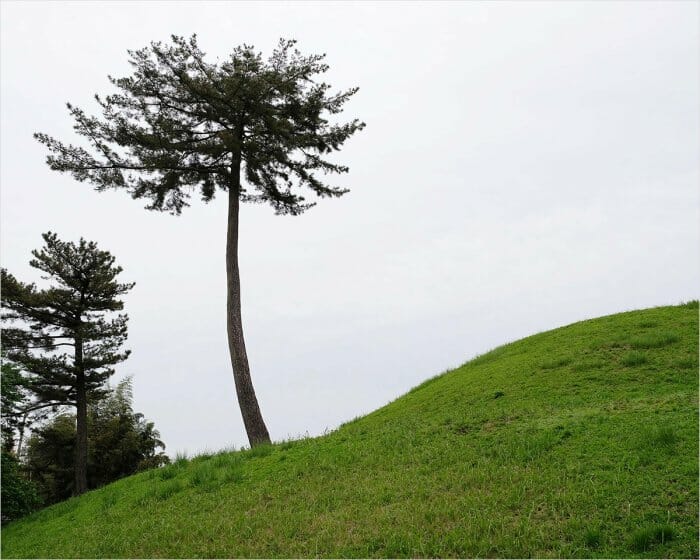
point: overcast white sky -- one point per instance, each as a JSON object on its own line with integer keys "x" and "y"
{"x": 524, "y": 166}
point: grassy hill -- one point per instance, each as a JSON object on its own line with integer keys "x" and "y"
{"x": 581, "y": 441}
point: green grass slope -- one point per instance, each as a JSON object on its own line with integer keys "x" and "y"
{"x": 578, "y": 442}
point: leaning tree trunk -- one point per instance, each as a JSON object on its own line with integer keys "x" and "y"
{"x": 81, "y": 443}
{"x": 252, "y": 418}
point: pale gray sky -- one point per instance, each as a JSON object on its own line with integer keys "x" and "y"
{"x": 524, "y": 166}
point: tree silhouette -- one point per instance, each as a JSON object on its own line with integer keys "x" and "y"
{"x": 75, "y": 311}
{"x": 257, "y": 130}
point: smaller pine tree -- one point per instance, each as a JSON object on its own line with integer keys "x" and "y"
{"x": 76, "y": 312}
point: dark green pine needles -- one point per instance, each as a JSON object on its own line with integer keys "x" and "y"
{"x": 181, "y": 124}
{"x": 66, "y": 337}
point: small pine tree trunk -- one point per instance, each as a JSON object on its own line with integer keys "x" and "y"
{"x": 252, "y": 418}
{"x": 81, "y": 444}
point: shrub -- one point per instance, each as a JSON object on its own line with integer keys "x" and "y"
{"x": 19, "y": 495}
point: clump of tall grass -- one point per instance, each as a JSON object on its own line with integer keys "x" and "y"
{"x": 654, "y": 340}
{"x": 633, "y": 358}
{"x": 645, "y": 538}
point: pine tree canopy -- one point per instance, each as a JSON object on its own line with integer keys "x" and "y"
{"x": 181, "y": 124}
{"x": 75, "y": 310}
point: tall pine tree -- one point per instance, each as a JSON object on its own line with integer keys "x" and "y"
{"x": 255, "y": 129}
{"x": 67, "y": 337}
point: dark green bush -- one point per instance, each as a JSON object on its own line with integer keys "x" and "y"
{"x": 19, "y": 495}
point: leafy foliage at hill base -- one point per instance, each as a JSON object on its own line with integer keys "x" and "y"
{"x": 121, "y": 442}
{"x": 578, "y": 442}
{"x": 19, "y": 496}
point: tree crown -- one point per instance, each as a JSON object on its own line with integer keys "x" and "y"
{"x": 76, "y": 309}
{"x": 181, "y": 124}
